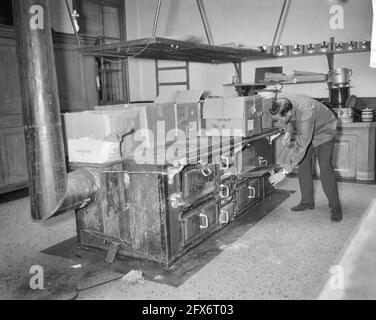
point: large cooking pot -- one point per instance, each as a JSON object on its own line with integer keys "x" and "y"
{"x": 340, "y": 75}
{"x": 339, "y": 96}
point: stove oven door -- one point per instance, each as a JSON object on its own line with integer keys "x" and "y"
{"x": 246, "y": 159}
{"x": 226, "y": 214}
{"x": 248, "y": 194}
{"x": 199, "y": 221}
{"x": 198, "y": 181}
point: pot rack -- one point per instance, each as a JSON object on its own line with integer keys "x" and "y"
{"x": 171, "y": 49}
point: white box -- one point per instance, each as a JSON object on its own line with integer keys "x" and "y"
{"x": 90, "y": 150}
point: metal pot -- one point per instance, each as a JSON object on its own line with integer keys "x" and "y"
{"x": 296, "y": 49}
{"x": 339, "y": 96}
{"x": 281, "y": 50}
{"x": 344, "y": 114}
{"x": 340, "y": 75}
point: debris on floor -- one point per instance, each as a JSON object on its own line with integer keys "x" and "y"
{"x": 133, "y": 276}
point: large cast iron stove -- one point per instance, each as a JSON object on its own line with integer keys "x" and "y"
{"x": 155, "y": 212}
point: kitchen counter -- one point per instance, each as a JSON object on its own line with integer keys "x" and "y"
{"x": 356, "y": 124}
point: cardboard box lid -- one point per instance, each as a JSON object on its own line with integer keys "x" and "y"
{"x": 98, "y": 124}
{"x": 231, "y": 108}
{"x": 213, "y": 108}
{"x": 122, "y": 107}
{"x": 180, "y": 96}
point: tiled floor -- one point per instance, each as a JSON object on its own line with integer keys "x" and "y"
{"x": 285, "y": 256}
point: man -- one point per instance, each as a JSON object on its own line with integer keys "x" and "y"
{"x": 315, "y": 127}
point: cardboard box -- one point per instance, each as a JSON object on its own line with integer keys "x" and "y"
{"x": 91, "y": 150}
{"x": 232, "y": 127}
{"x": 239, "y": 116}
{"x": 188, "y": 110}
{"x": 188, "y": 118}
{"x": 155, "y": 119}
{"x": 267, "y": 121}
{"x": 98, "y": 125}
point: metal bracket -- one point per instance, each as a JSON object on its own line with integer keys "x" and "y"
{"x": 330, "y": 56}
{"x": 205, "y": 21}
{"x": 279, "y": 23}
{"x": 112, "y": 252}
{"x": 238, "y": 70}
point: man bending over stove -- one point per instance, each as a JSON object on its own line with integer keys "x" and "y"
{"x": 315, "y": 127}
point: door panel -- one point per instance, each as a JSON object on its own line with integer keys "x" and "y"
{"x": 13, "y": 157}
{"x": 197, "y": 182}
{"x": 199, "y": 221}
{"x": 10, "y": 91}
{"x": 344, "y": 156}
{"x": 248, "y": 193}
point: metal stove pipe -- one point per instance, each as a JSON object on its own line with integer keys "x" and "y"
{"x": 52, "y": 191}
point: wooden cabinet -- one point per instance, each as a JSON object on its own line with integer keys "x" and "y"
{"x": 76, "y": 76}
{"x": 353, "y": 154}
{"x": 13, "y": 173}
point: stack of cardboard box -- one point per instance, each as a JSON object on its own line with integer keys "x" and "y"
{"x": 99, "y": 136}
{"x": 110, "y": 133}
{"x": 92, "y": 136}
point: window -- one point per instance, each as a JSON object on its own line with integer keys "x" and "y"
{"x": 6, "y": 14}
{"x": 105, "y": 20}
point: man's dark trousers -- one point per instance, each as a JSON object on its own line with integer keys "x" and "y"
{"x": 328, "y": 179}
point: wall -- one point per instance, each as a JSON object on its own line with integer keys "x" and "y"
{"x": 253, "y": 23}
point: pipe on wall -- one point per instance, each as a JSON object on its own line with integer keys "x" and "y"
{"x": 52, "y": 191}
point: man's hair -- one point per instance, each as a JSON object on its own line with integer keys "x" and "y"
{"x": 281, "y": 107}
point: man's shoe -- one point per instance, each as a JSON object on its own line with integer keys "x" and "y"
{"x": 336, "y": 215}
{"x": 303, "y": 206}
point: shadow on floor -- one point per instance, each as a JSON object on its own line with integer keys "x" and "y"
{"x": 187, "y": 265}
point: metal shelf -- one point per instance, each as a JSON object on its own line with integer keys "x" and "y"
{"x": 168, "y": 49}
{"x": 264, "y": 84}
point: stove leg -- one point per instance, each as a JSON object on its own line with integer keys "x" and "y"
{"x": 112, "y": 252}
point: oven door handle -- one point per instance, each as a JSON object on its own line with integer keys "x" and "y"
{"x": 252, "y": 192}
{"x": 206, "y": 172}
{"x": 226, "y": 194}
{"x": 263, "y": 162}
{"x": 206, "y": 219}
{"x": 227, "y": 165}
{"x": 226, "y": 215}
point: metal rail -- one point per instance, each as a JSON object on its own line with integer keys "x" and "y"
{"x": 279, "y": 22}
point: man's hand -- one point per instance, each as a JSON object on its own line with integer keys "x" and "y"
{"x": 277, "y": 178}
{"x": 286, "y": 139}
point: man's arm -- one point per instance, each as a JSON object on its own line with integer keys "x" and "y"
{"x": 297, "y": 151}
